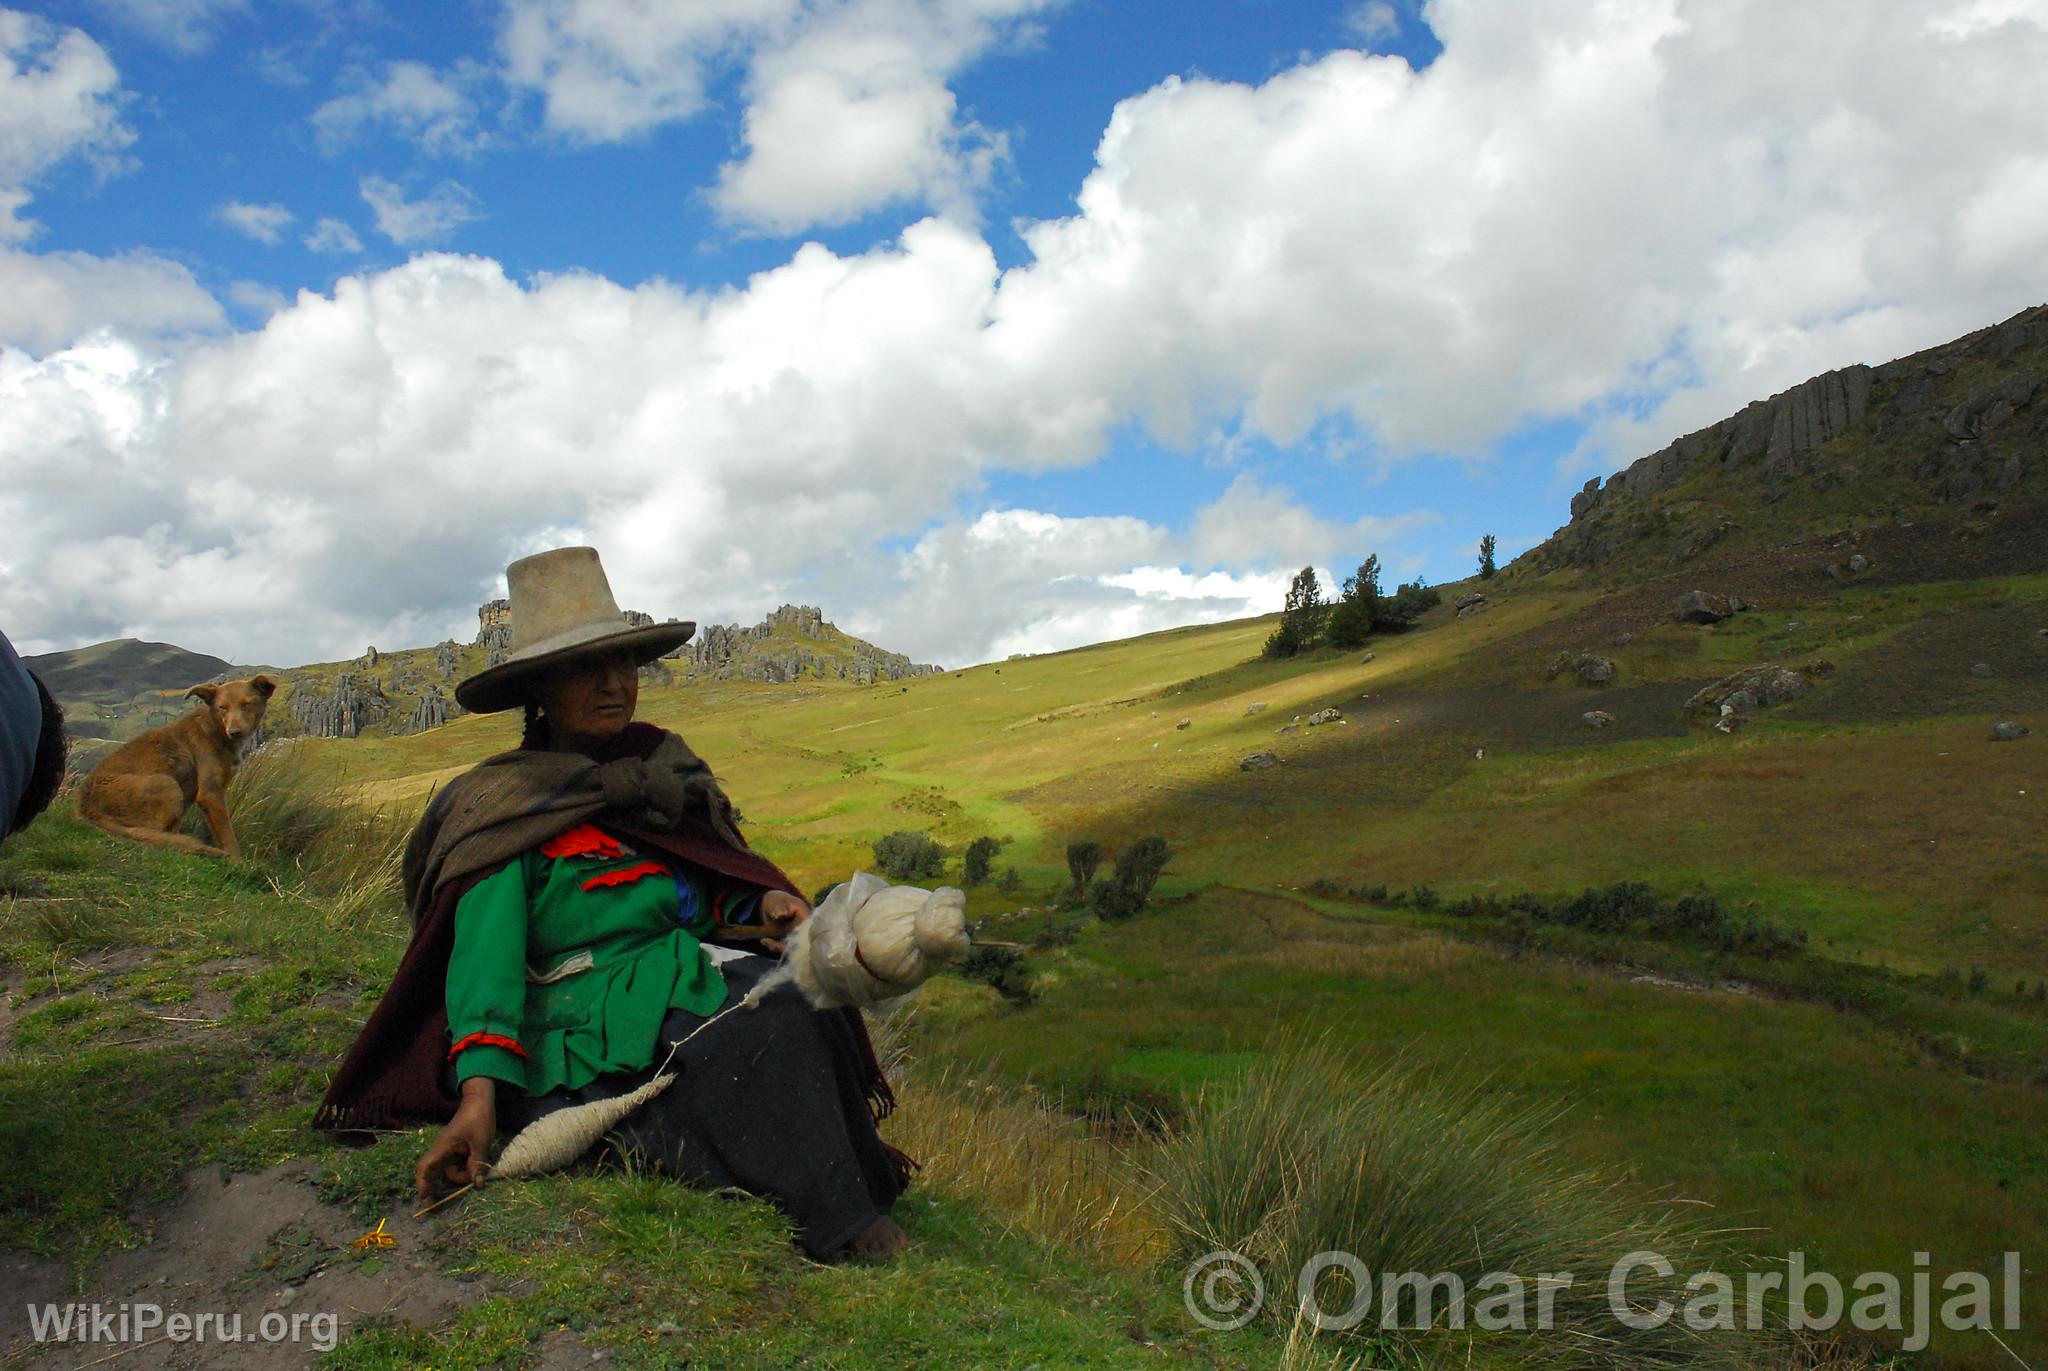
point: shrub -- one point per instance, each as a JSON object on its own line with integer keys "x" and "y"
{"x": 1082, "y": 859}
{"x": 1407, "y": 1174}
{"x": 1406, "y": 605}
{"x": 1137, "y": 871}
{"x": 1002, "y": 967}
{"x": 907, "y": 856}
{"x": 1979, "y": 979}
{"x": 1055, "y": 933}
{"x": 1009, "y": 882}
{"x": 981, "y": 854}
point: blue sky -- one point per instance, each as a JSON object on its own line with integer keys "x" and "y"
{"x": 988, "y": 325}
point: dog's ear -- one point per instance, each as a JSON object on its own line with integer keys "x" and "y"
{"x": 204, "y": 692}
{"x": 265, "y": 686}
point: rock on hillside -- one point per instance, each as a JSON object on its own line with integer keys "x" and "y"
{"x": 1948, "y": 426}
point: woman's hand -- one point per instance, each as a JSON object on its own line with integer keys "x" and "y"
{"x": 461, "y": 1149}
{"x": 781, "y": 912}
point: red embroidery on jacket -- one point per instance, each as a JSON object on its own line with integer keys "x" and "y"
{"x": 584, "y": 840}
{"x": 623, "y": 875}
{"x": 487, "y": 1040}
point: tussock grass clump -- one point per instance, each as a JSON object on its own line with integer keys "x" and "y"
{"x": 1032, "y": 1169}
{"x": 297, "y": 824}
{"x": 1411, "y": 1176}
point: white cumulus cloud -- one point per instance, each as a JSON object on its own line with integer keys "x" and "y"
{"x": 431, "y": 108}
{"x": 1641, "y": 214}
{"x": 264, "y": 223}
{"x": 848, "y": 106}
{"x": 332, "y": 235}
{"x": 429, "y": 219}
{"x": 185, "y": 25}
{"x": 59, "y": 98}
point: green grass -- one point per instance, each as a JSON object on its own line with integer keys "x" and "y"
{"x": 1855, "y": 1104}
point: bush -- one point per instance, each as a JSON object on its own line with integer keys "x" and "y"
{"x": 1009, "y": 882}
{"x": 906, "y": 856}
{"x": 981, "y": 854}
{"x": 1055, "y": 933}
{"x": 1979, "y": 979}
{"x": 1406, "y": 1174}
{"x": 1082, "y": 859}
{"x": 1406, "y": 605}
{"x": 1002, "y": 967}
{"x": 1137, "y": 871}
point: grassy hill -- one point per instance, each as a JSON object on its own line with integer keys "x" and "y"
{"x": 104, "y": 686}
{"x": 1793, "y": 975}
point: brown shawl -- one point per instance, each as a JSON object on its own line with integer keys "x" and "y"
{"x": 649, "y": 788}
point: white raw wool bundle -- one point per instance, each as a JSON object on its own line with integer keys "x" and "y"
{"x": 871, "y": 942}
{"x": 552, "y": 1141}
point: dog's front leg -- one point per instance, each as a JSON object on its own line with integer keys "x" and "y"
{"x": 214, "y": 805}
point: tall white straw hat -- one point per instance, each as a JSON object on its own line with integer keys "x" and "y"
{"x": 562, "y": 609}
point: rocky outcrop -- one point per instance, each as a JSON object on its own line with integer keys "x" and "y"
{"x": 1955, "y": 421}
{"x": 432, "y": 710}
{"x": 341, "y": 710}
{"x": 1259, "y": 761}
{"x": 730, "y": 652}
{"x": 1754, "y": 688}
{"x": 494, "y": 627}
{"x": 1325, "y": 716}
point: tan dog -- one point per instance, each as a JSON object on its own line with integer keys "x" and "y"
{"x": 144, "y": 787}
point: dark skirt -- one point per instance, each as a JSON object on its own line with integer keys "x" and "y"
{"x": 770, "y": 1101}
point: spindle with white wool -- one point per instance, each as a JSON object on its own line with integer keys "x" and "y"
{"x": 869, "y": 942}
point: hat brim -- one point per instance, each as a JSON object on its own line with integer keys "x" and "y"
{"x": 506, "y": 685}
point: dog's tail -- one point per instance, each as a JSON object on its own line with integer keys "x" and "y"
{"x": 149, "y": 835}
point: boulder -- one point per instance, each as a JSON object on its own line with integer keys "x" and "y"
{"x": 1288, "y": 728}
{"x": 1183, "y": 724}
{"x": 1859, "y": 564}
{"x": 1596, "y": 718}
{"x": 2008, "y": 731}
{"x": 1259, "y": 761}
{"x": 1981, "y": 670}
{"x": 1326, "y": 716}
{"x": 1624, "y": 639}
{"x": 1471, "y": 604}
{"x": 1752, "y": 688}
{"x": 1367, "y": 658}
{"x": 1558, "y": 666}
{"x": 1703, "y": 607}
{"x": 1594, "y": 669}
{"x": 1257, "y": 707}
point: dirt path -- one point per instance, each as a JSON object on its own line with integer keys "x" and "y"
{"x": 261, "y": 1254}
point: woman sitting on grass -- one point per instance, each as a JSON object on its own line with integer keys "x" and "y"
{"x": 573, "y": 901}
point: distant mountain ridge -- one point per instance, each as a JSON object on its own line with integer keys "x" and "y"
{"x": 119, "y": 688}
{"x": 1956, "y": 426}
{"x": 101, "y": 685}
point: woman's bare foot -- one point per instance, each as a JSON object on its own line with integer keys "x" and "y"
{"x": 880, "y": 1241}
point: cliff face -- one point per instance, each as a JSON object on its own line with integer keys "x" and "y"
{"x": 1954, "y": 424}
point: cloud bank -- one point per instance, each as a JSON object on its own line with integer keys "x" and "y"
{"x": 1635, "y": 215}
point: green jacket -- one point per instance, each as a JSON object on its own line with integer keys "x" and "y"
{"x": 567, "y": 959}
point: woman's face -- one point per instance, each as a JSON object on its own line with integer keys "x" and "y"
{"x": 589, "y": 701}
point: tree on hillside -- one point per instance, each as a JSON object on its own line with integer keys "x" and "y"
{"x": 1082, "y": 859}
{"x": 1486, "y": 566}
{"x": 1137, "y": 871}
{"x": 907, "y": 856}
{"x": 1401, "y": 609}
{"x": 980, "y": 856}
{"x": 1301, "y": 621}
{"x": 1351, "y": 618}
